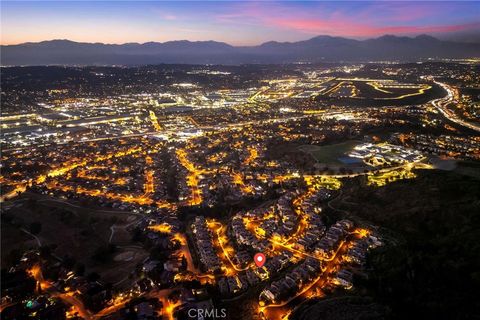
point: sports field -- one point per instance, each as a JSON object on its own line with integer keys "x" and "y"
{"x": 330, "y": 154}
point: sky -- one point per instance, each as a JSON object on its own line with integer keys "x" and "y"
{"x": 234, "y": 22}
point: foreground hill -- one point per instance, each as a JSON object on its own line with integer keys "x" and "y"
{"x": 429, "y": 267}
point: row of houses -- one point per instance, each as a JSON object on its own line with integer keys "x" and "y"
{"x": 325, "y": 247}
{"x": 343, "y": 278}
{"x": 280, "y": 221}
{"x": 288, "y": 220}
{"x": 274, "y": 265}
{"x": 315, "y": 227}
{"x": 355, "y": 257}
{"x": 245, "y": 237}
{"x": 242, "y": 258}
{"x": 204, "y": 244}
{"x": 446, "y": 144}
{"x": 293, "y": 281}
{"x": 313, "y": 233}
{"x": 358, "y": 252}
{"x": 235, "y": 284}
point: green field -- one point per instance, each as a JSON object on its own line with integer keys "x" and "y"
{"x": 329, "y": 154}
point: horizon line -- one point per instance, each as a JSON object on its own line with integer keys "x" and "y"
{"x": 238, "y": 45}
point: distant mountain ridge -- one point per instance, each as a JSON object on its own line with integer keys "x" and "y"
{"x": 317, "y": 49}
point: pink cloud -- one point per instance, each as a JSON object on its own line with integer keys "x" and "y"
{"x": 398, "y": 12}
{"x": 169, "y": 17}
{"x": 375, "y": 20}
{"x": 349, "y": 28}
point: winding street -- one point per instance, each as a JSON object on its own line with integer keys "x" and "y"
{"x": 441, "y": 105}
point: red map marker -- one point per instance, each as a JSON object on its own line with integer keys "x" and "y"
{"x": 259, "y": 259}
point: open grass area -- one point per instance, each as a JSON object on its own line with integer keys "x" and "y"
{"x": 330, "y": 154}
{"x": 80, "y": 233}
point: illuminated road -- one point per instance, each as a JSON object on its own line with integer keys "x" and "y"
{"x": 220, "y": 241}
{"x": 59, "y": 171}
{"x": 442, "y": 103}
{"x": 164, "y": 132}
{"x": 252, "y": 155}
{"x": 185, "y": 251}
{"x": 192, "y": 178}
{"x": 270, "y": 314}
{"x": 67, "y": 297}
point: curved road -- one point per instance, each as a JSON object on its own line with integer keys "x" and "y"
{"x": 441, "y": 105}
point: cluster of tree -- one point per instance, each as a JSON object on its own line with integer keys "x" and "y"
{"x": 432, "y": 270}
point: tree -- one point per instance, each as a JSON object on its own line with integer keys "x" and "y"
{"x": 31, "y": 203}
{"x": 45, "y": 251}
{"x": 103, "y": 253}
{"x": 35, "y": 227}
{"x": 79, "y": 269}
{"x": 93, "y": 276}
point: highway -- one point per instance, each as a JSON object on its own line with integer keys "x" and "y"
{"x": 165, "y": 132}
{"x": 442, "y": 103}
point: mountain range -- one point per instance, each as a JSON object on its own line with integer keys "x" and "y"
{"x": 317, "y": 49}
